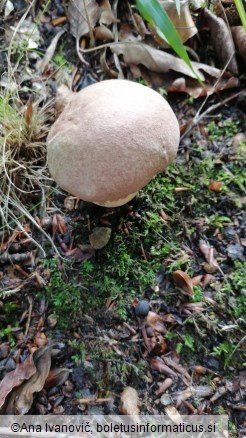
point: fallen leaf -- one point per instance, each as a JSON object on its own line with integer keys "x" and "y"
{"x": 182, "y": 21}
{"x": 156, "y": 60}
{"x": 129, "y": 401}
{"x": 215, "y": 186}
{"x": 222, "y": 42}
{"x": 211, "y": 265}
{"x": 21, "y": 398}
{"x": 42, "y": 64}
{"x": 23, "y": 371}
{"x": 184, "y": 282}
{"x": 82, "y": 16}
{"x": 155, "y": 321}
{"x": 103, "y": 33}
{"x": 174, "y": 84}
{"x": 57, "y": 377}
{"x": 107, "y": 16}
{"x": 100, "y": 237}
{"x": 29, "y": 111}
{"x": 40, "y": 339}
{"x": 69, "y": 202}
{"x": 239, "y": 36}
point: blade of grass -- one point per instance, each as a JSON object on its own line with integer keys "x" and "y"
{"x": 155, "y": 14}
{"x": 241, "y": 11}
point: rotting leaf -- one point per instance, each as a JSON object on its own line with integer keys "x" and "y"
{"x": 82, "y": 16}
{"x": 129, "y": 401}
{"x": 21, "y": 398}
{"x": 183, "y": 282}
{"x": 57, "y": 377}
{"x": 182, "y": 20}
{"x": 211, "y": 264}
{"x": 239, "y": 36}
{"x": 23, "y": 371}
{"x": 215, "y": 186}
{"x": 222, "y": 42}
{"x": 100, "y": 237}
{"x": 155, "y": 321}
{"x": 159, "y": 61}
{"x": 107, "y": 16}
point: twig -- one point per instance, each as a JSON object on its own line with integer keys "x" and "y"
{"x": 29, "y": 315}
{"x": 198, "y": 117}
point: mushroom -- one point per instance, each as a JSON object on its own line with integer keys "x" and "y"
{"x": 110, "y": 140}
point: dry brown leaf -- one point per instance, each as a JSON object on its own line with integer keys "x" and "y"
{"x": 211, "y": 264}
{"x": 43, "y": 63}
{"x": 222, "y": 42}
{"x": 129, "y": 401}
{"x": 29, "y": 111}
{"x": 21, "y": 398}
{"x": 82, "y": 16}
{"x": 155, "y": 321}
{"x": 23, "y": 371}
{"x": 107, "y": 16}
{"x": 215, "y": 186}
{"x": 69, "y": 202}
{"x": 140, "y": 25}
{"x": 183, "y": 282}
{"x": 57, "y": 377}
{"x": 157, "y": 60}
{"x": 188, "y": 85}
{"x": 103, "y": 33}
{"x": 183, "y": 22}
{"x": 204, "y": 248}
{"x": 157, "y": 345}
{"x": 239, "y": 36}
{"x": 100, "y": 237}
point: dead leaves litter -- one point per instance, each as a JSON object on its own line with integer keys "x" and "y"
{"x": 18, "y": 387}
{"x": 183, "y": 282}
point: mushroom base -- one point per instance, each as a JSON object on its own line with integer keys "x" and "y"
{"x": 117, "y": 203}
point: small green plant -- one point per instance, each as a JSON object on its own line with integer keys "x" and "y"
{"x": 218, "y": 221}
{"x": 198, "y": 295}
{"x": 79, "y": 356}
{"x": 225, "y": 351}
{"x": 7, "y": 333}
{"x": 62, "y": 294}
{"x": 189, "y": 341}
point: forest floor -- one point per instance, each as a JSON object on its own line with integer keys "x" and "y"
{"x": 70, "y": 319}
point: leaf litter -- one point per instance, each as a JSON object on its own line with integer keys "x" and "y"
{"x": 160, "y": 342}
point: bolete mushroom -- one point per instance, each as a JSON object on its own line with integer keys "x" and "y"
{"x": 110, "y": 140}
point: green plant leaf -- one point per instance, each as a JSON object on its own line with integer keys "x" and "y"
{"x": 241, "y": 11}
{"x": 177, "y": 3}
{"x": 155, "y": 14}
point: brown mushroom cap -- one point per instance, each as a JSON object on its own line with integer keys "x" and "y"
{"x": 110, "y": 140}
